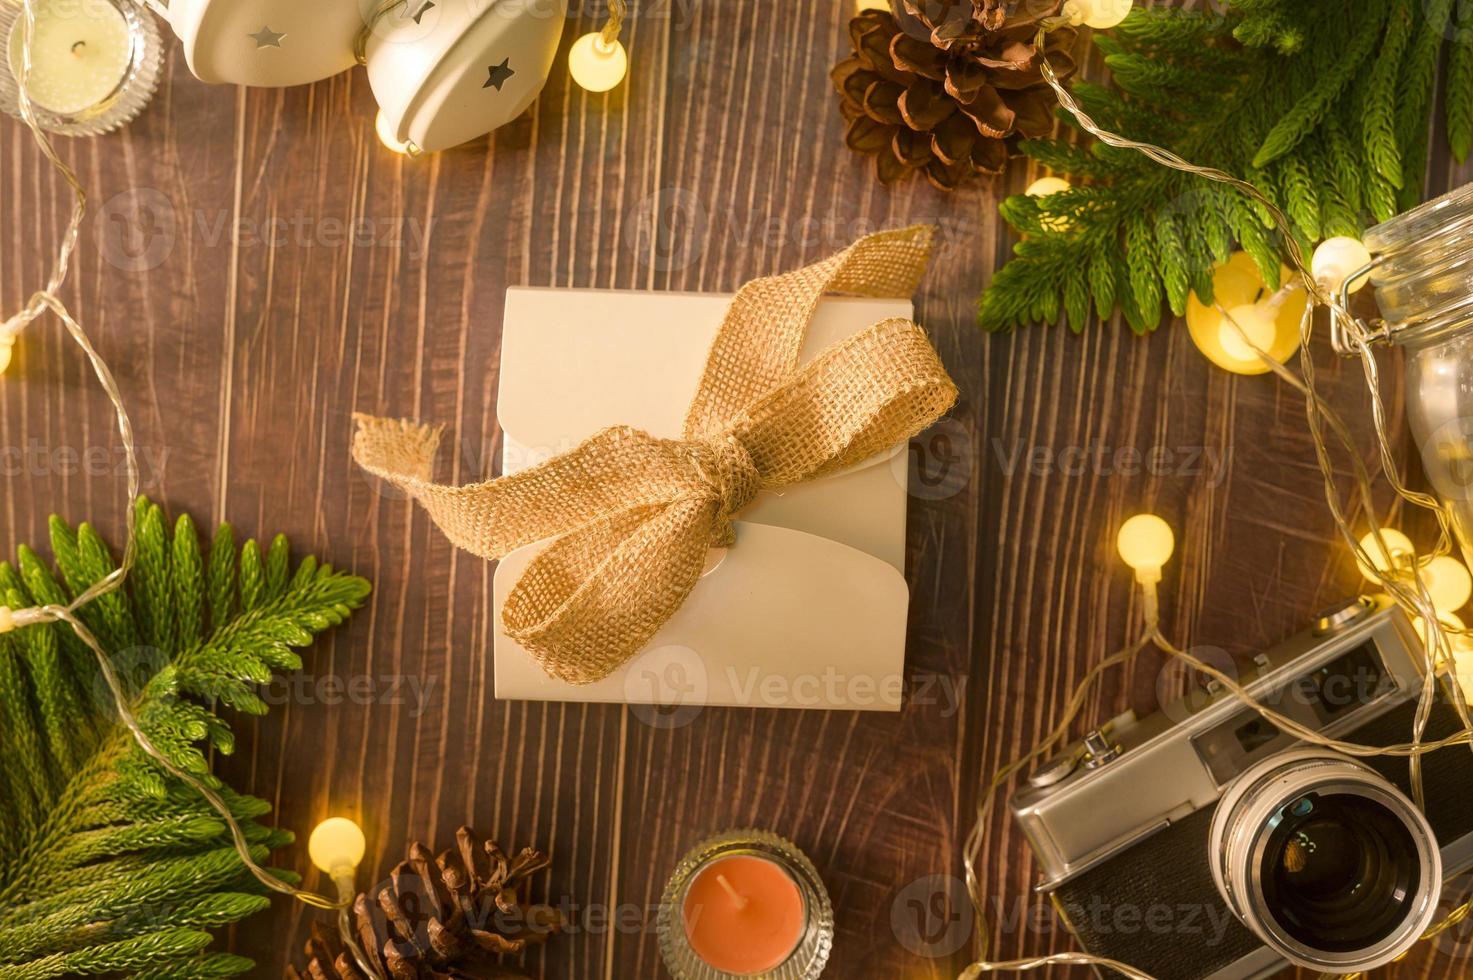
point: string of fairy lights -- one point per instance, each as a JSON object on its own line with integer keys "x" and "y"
{"x": 1427, "y": 586}
{"x": 337, "y": 845}
{"x": 598, "y": 62}
{"x": 1430, "y": 586}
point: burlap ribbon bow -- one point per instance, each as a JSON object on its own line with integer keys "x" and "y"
{"x": 632, "y": 517}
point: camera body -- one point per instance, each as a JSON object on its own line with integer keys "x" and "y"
{"x": 1122, "y": 821}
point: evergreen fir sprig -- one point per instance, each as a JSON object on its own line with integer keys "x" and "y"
{"x": 108, "y": 865}
{"x": 1323, "y": 105}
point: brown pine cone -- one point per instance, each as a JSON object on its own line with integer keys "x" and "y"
{"x": 452, "y": 917}
{"x": 947, "y": 87}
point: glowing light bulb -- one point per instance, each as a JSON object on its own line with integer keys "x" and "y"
{"x": 1146, "y": 543}
{"x": 1463, "y": 664}
{"x": 337, "y": 846}
{"x": 7, "y": 346}
{"x": 597, "y": 65}
{"x": 1044, "y": 186}
{"x": 873, "y": 5}
{"x": 1336, "y": 260}
{"x": 1238, "y": 283}
{"x": 1257, "y": 323}
{"x": 1099, "y": 14}
{"x": 388, "y": 137}
{"x": 1448, "y": 583}
{"x": 1449, "y": 621}
{"x": 1401, "y": 552}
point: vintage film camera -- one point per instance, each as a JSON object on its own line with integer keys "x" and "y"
{"x": 1203, "y": 842}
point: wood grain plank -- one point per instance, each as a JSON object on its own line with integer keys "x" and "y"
{"x": 258, "y": 268}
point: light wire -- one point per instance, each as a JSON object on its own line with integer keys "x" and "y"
{"x": 610, "y": 33}
{"x": 49, "y": 300}
{"x": 1403, "y": 585}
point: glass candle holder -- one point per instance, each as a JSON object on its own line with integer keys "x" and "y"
{"x": 742, "y": 905}
{"x": 94, "y": 63}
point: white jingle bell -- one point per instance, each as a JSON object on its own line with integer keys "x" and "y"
{"x": 267, "y": 43}
{"x": 462, "y": 69}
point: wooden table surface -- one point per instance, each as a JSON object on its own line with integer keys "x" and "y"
{"x": 258, "y": 267}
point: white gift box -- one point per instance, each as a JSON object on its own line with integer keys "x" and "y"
{"x": 807, "y": 610}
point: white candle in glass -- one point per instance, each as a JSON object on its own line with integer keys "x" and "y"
{"x": 80, "y": 53}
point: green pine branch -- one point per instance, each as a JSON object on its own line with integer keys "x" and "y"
{"x": 108, "y": 864}
{"x": 1323, "y": 105}
{"x": 1460, "y": 89}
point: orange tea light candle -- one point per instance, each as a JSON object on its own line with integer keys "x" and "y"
{"x": 742, "y": 905}
{"x": 744, "y": 915}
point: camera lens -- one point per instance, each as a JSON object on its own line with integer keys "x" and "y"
{"x": 1331, "y": 865}
{"x": 1339, "y": 871}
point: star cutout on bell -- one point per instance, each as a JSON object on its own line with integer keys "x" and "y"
{"x": 499, "y": 74}
{"x": 266, "y": 38}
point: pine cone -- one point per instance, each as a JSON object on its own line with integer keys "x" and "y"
{"x": 451, "y": 917}
{"x": 947, "y": 87}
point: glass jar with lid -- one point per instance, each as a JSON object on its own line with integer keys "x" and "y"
{"x": 1423, "y": 278}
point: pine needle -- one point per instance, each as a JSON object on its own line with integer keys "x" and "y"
{"x": 107, "y": 864}
{"x": 1323, "y": 104}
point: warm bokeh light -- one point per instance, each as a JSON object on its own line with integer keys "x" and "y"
{"x": 1463, "y": 664}
{"x": 337, "y": 846}
{"x": 1099, "y": 14}
{"x": 1246, "y": 330}
{"x": 1448, "y": 583}
{"x": 597, "y": 65}
{"x": 1146, "y": 544}
{"x": 1401, "y": 552}
{"x": 1336, "y": 260}
{"x": 1271, "y": 320}
{"x": 1448, "y": 621}
{"x": 1043, "y": 187}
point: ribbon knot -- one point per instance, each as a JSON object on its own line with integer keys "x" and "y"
{"x": 723, "y": 464}
{"x": 627, "y": 518}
